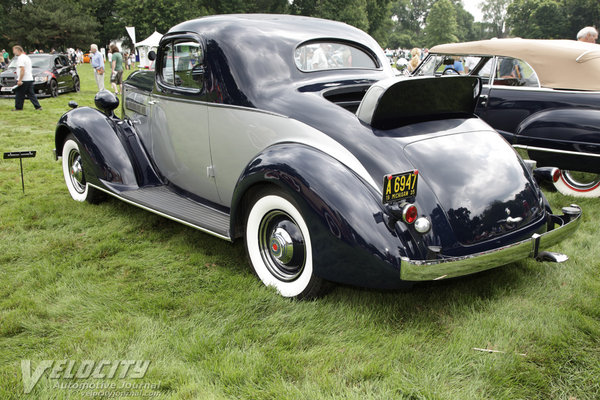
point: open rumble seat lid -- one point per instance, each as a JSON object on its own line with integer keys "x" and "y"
{"x": 396, "y": 102}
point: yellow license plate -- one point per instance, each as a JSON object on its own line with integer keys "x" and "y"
{"x": 400, "y": 186}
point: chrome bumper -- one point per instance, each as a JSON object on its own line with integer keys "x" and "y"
{"x": 426, "y": 270}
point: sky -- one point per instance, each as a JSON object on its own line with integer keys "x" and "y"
{"x": 472, "y": 6}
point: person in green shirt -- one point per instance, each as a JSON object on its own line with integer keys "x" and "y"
{"x": 5, "y": 57}
{"x": 116, "y": 78}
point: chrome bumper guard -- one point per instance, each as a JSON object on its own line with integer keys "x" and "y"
{"x": 426, "y": 270}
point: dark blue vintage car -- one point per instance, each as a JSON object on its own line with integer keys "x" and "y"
{"x": 292, "y": 133}
{"x": 541, "y": 95}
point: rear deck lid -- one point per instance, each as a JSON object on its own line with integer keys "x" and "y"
{"x": 479, "y": 181}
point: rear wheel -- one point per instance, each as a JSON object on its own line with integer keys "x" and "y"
{"x": 279, "y": 246}
{"x": 578, "y": 184}
{"x": 74, "y": 174}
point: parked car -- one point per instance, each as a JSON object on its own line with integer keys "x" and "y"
{"x": 87, "y": 58}
{"x": 52, "y": 73}
{"x": 541, "y": 95}
{"x": 291, "y": 133}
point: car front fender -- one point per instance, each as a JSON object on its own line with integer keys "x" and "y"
{"x": 351, "y": 241}
{"x": 103, "y": 154}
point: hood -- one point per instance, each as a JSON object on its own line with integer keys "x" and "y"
{"x": 480, "y": 183}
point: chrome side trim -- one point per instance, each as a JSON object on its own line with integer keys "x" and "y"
{"x": 574, "y": 153}
{"x": 425, "y": 270}
{"x": 228, "y": 238}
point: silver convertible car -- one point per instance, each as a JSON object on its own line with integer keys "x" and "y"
{"x": 292, "y": 134}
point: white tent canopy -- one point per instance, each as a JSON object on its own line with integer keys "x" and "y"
{"x": 145, "y": 46}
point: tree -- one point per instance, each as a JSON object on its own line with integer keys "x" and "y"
{"x": 537, "y": 19}
{"x": 441, "y": 24}
{"x": 379, "y": 15}
{"x": 581, "y": 13}
{"x": 149, "y": 15}
{"x": 352, "y": 12}
{"x": 494, "y": 12}
{"x": 464, "y": 20}
{"x": 51, "y": 24}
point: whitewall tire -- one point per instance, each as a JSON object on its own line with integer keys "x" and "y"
{"x": 74, "y": 174}
{"x": 279, "y": 246}
{"x": 578, "y": 184}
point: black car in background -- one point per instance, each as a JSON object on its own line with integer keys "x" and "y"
{"x": 52, "y": 74}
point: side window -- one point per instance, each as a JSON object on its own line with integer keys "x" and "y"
{"x": 514, "y": 72}
{"x": 483, "y": 69}
{"x": 166, "y": 72}
{"x": 189, "y": 65}
{"x": 182, "y": 65}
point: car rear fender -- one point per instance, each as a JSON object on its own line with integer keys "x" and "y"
{"x": 567, "y": 138}
{"x": 110, "y": 149}
{"x": 351, "y": 242}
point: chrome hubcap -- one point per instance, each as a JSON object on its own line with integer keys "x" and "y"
{"x": 282, "y": 246}
{"x": 76, "y": 172}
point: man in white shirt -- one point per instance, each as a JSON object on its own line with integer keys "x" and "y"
{"x": 97, "y": 61}
{"x": 24, "y": 80}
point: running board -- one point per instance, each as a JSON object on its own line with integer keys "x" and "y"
{"x": 167, "y": 203}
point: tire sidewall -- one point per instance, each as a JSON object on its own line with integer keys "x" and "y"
{"x": 69, "y": 146}
{"x": 565, "y": 188}
{"x": 261, "y": 207}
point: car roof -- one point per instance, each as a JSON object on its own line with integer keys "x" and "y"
{"x": 559, "y": 64}
{"x": 294, "y": 27}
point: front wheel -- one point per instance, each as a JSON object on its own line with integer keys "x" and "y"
{"x": 279, "y": 246}
{"x": 76, "y": 84}
{"x": 74, "y": 174}
{"x": 578, "y": 184}
{"x": 53, "y": 88}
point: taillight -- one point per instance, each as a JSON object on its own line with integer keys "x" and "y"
{"x": 555, "y": 175}
{"x": 410, "y": 213}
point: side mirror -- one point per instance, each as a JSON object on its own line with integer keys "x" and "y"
{"x": 73, "y": 104}
{"x": 152, "y": 55}
{"x": 106, "y": 102}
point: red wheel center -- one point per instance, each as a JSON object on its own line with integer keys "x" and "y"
{"x": 275, "y": 247}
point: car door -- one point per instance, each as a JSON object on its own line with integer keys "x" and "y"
{"x": 179, "y": 138}
{"x": 57, "y": 70}
{"x": 513, "y": 94}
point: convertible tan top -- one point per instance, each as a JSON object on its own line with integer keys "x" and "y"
{"x": 559, "y": 64}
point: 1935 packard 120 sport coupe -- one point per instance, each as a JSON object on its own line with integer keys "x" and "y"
{"x": 292, "y": 133}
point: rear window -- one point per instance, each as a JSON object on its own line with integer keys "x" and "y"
{"x": 319, "y": 56}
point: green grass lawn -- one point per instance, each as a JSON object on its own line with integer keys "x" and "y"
{"x": 113, "y": 282}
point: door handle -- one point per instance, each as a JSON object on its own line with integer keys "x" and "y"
{"x": 483, "y": 100}
{"x": 152, "y": 102}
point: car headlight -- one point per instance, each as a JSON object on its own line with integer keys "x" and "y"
{"x": 41, "y": 79}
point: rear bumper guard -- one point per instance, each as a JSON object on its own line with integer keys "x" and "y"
{"x": 426, "y": 270}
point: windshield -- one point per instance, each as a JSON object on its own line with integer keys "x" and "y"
{"x": 36, "y": 62}
{"x": 319, "y": 56}
{"x": 40, "y": 62}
